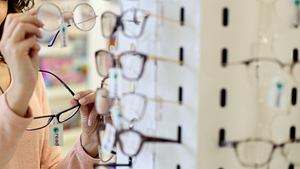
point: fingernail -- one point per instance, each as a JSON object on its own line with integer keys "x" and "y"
{"x": 77, "y": 96}
{"x": 89, "y": 123}
{"x": 82, "y": 101}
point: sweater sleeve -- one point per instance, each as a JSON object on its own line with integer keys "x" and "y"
{"x": 12, "y": 127}
{"x": 77, "y": 158}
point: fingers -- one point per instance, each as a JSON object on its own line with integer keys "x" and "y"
{"x": 92, "y": 118}
{"x": 23, "y": 29}
{"x": 82, "y": 94}
{"x": 13, "y": 20}
{"x": 88, "y": 99}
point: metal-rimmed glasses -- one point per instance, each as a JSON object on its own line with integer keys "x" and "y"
{"x": 132, "y": 63}
{"x": 83, "y": 17}
{"x": 40, "y": 122}
{"x": 132, "y": 22}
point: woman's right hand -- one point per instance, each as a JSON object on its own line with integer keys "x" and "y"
{"x": 20, "y": 49}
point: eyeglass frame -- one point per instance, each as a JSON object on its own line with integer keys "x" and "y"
{"x": 116, "y": 61}
{"x": 57, "y": 115}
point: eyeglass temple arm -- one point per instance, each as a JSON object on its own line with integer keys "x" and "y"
{"x": 53, "y": 39}
{"x": 156, "y": 139}
{"x": 61, "y": 81}
{"x": 162, "y": 17}
{"x": 163, "y": 59}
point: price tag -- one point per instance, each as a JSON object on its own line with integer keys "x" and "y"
{"x": 277, "y": 94}
{"x": 115, "y": 83}
{"x": 64, "y": 34}
{"x": 116, "y": 114}
{"x": 56, "y": 133}
{"x": 108, "y": 140}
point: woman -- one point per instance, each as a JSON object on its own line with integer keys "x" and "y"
{"x": 23, "y": 97}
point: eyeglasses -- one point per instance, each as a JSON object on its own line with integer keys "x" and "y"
{"x": 262, "y": 69}
{"x": 113, "y": 165}
{"x": 131, "y": 141}
{"x": 258, "y": 152}
{"x": 133, "y": 105}
{"x": 132, "y": 22}
{"x": 83, "y": 16}
{"x": 132, "y": 63}
{"x": 40, "y": 122}
{"x": 287, "y": 13}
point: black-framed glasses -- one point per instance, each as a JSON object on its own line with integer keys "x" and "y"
{"x": 258, "y": 152}
{"x": 66, "y": 114}
{"x": 132, "y": 22}
{"x": 83, "y": 17}
{"x": 113, "y": 165}
{"x": 132, "y": 63}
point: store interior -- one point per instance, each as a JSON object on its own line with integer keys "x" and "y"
{"x": 220, "y": 78}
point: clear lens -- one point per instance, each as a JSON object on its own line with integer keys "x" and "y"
{"x": 50, "y": 15}
{"x": 102, "y": 102}
{"x": 132, "y": 65}
{"x": 292, "y": 152}
{"x": 68, "y": 114}
{"x": 254, "y": 153}
{"x": 134, "y": 106}
{"x": 262, "y": 73}
{"x": 296, "y": 72}
{"x": 103, "y": 167}
{"x": 37, "y": 123}
{"x": 109, "y": 21}
{"x": 84, "y": 17}
{"x": 104, "y": 62}
{"x": 134, "y": 21}
{"x": 131, "y": 142}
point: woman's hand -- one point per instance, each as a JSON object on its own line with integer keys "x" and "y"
{"x": 90, "y": 120}
{"x": 20, "y": 49}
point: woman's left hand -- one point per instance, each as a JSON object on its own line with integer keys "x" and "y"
{"x": 89, "y": 120}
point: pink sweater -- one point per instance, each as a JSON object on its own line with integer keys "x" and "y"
{"x": 20, "y": 149}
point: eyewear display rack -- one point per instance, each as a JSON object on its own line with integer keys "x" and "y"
{"x": 172, "y": 31}
{"x": 221, "y": 100}
{"x": 232, "y": 107}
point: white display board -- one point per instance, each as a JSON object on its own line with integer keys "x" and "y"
{"x": 214, "y": 97}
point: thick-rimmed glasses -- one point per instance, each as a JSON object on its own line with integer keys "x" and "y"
{"x": 132, "y": 63}
{"x": 258, "y": 152}
{"x": 131, "y": 141}
{"x": 132, "y": 22}
{"x": 113, "y": 165}
{"x": 83, "y": 17}
{"x": 40, "y": 122}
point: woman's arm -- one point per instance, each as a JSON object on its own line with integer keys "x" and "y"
{"x": 51, "y": 159}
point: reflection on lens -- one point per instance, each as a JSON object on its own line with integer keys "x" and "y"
{"x": 292, "y": 152}
{"x": 254, "y": 152}
{"x": 84, "y": 17}
{"x": 108, "y": 24}
{"x": 132, "y": 65}
{"x": 68, "y": 114}
{"x": 133, "y": 22}
{"x": 131, "y": 142}
{"x": 50, "y": 15}
{"x": 104, "y": 62}
{"x": 37, "y": 123}
{"x": 133, "y": 106}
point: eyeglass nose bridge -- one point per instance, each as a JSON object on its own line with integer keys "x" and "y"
{"x": 67, "y": 16}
